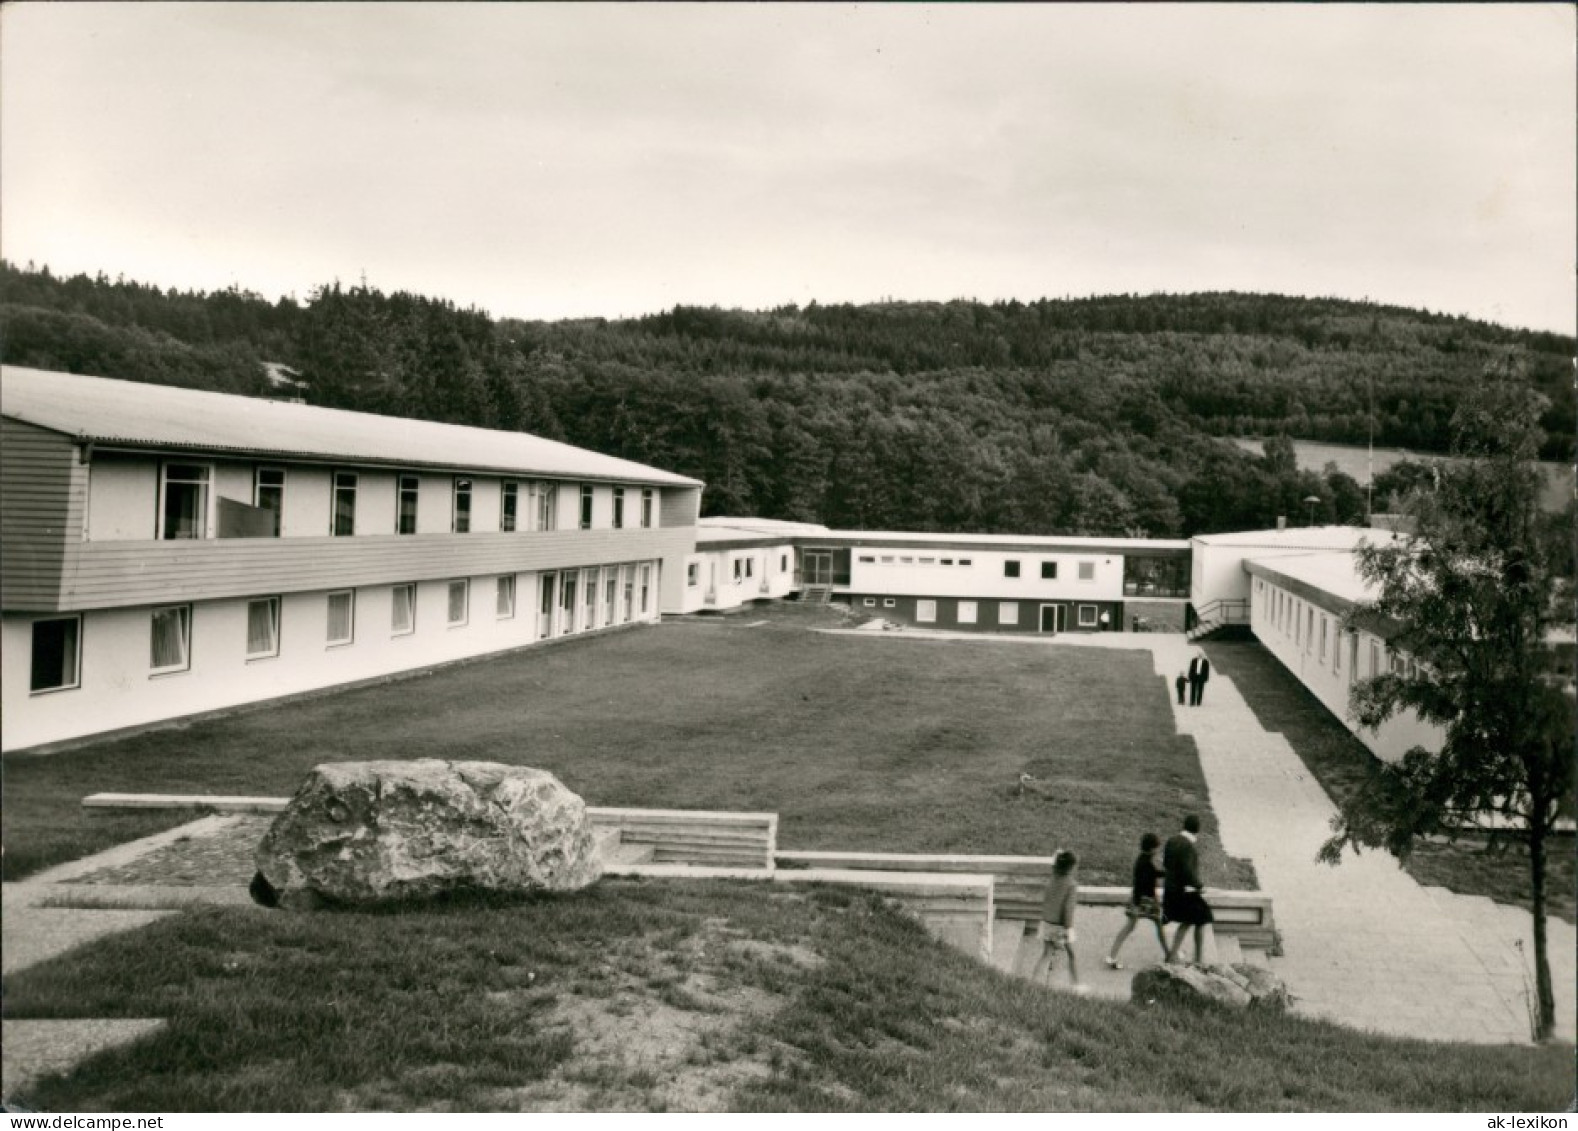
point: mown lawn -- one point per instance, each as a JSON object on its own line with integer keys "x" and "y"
{"x": 859, "y": 744}
{"x": 686, "y": 996}
{"x": 1342, "y": 764}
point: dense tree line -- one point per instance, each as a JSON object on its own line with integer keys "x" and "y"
{"x": 1088, "y": 416}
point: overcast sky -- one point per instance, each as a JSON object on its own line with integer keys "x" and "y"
{"x": 544, "y": 161}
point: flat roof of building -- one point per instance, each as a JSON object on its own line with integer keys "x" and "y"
{"x": 138, "y": 415}
{"x": 1026, "y": 543}
{"x": 1333, "y": 572}
{"x": 1296, "y": 538}
{"x": 720, "y": 532}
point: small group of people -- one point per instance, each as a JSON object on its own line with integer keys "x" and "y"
{"x": 1194, "y": 680}
{"x": 1182, "y": 903}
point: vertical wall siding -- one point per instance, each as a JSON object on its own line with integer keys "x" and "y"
{"x": 43, "y": 495}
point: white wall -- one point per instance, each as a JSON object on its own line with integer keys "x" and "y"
{"x": 984, "y": 577}
{"x": 485, "y": 506}
{"x": 307, "y": 510}
{"x": 375, "y": 502}
{"x": 1330, "y": 677}
{"x": 771, "y": 577}
{"x": 117, "y": 690}
{"x": 1217, "y": 573}
{"x": 435, "y": 504}
{"x": 694, "y": 596}
{"x": 123, "y": 498}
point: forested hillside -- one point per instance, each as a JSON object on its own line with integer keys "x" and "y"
{"x": 1083, "y": 416}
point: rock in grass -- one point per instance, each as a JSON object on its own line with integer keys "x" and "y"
{"x": 1233, "y": 987}
{"x": 369, "y": 832}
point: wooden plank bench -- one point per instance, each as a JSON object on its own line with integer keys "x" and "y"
{"x": 1021, "y": 886}
{"x": 696, "y": 836}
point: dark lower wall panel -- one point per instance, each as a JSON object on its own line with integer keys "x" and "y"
{"x": 906, "y": 610}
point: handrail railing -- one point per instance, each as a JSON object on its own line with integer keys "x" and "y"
{"x": 1232, "y": 610}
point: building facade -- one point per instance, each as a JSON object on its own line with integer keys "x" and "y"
{"x": 1299, "y": 604}
{"x": 165, "y": 552}
{"x": 1001, "y": 583}
{"x": 740, "y": 560}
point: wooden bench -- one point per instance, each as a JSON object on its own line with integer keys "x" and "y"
{"x": 695, "y": 836}
{"x": 1021, "y": 883}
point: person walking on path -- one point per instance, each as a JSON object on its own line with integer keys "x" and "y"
{"x": 1183, "y": 899}
{"x": 1199, "y": 674}
{"x": 1180, "y": 683}
{"x": 1057, "y": 922}
{"x": 1142, "y": 896}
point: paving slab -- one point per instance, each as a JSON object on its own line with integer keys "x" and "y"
{"x": 31, "y": 933}
{"x": 34, "y": 1049}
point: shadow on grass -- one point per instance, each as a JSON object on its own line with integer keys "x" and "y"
{"x": 639, "y": 995}
{"x": 1342, "y": 764}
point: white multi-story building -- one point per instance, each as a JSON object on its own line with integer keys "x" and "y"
{"x": 166, "y": 552}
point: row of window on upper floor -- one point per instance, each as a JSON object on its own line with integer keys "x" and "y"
{"x": 1012, "y": 567}
{"x": 187, "y": 504}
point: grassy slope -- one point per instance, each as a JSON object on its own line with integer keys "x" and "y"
{"x": 1342, "y": 764}
{"x": 859, "y": 744}
{"x": 640, "y": 996}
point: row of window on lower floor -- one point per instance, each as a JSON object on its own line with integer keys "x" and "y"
{"x": 968, "y": 612}
{"x": 57, "y": 641}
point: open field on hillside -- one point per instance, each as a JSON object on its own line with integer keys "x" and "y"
{"x": 859, "y": 744}
{"x": 687, "y": 996}
{"x": 1356, "y": 462}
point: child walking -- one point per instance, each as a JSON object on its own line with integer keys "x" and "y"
{"x": 1057, "y": 922}
{"x": 1142, "y": 899}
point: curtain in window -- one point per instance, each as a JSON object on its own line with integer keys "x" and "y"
{"x": 169, "y": 637}
{"x": 340, "y": 616}
{"x": 457, "y": 602}
{"x": 262, "y": 627}
{"x": 506, "y": 597}
{"x": 404, "y": 614}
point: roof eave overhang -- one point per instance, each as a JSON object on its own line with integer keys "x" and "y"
{"x": 338, "y": 459}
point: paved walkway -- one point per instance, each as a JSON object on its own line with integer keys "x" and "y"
{"x": 1364, "y": 943}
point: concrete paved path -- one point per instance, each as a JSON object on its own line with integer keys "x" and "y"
{"x": 1365, "y": 944}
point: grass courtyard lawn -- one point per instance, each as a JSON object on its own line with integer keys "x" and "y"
{"x": 881, "y": 744}
{"x": 1342, "y": 765}
{"x": 686, "y": 996}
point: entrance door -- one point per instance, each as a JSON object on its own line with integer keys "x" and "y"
{"x": 819, "y": 567}
{"x": 1054, "y": 618}
{"x": 567, "y": 583}
{"x": 545, "y": 608}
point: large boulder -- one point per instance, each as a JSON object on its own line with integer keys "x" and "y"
{"x": 366, "y": 832}
{"x": 1240, "y": 986}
